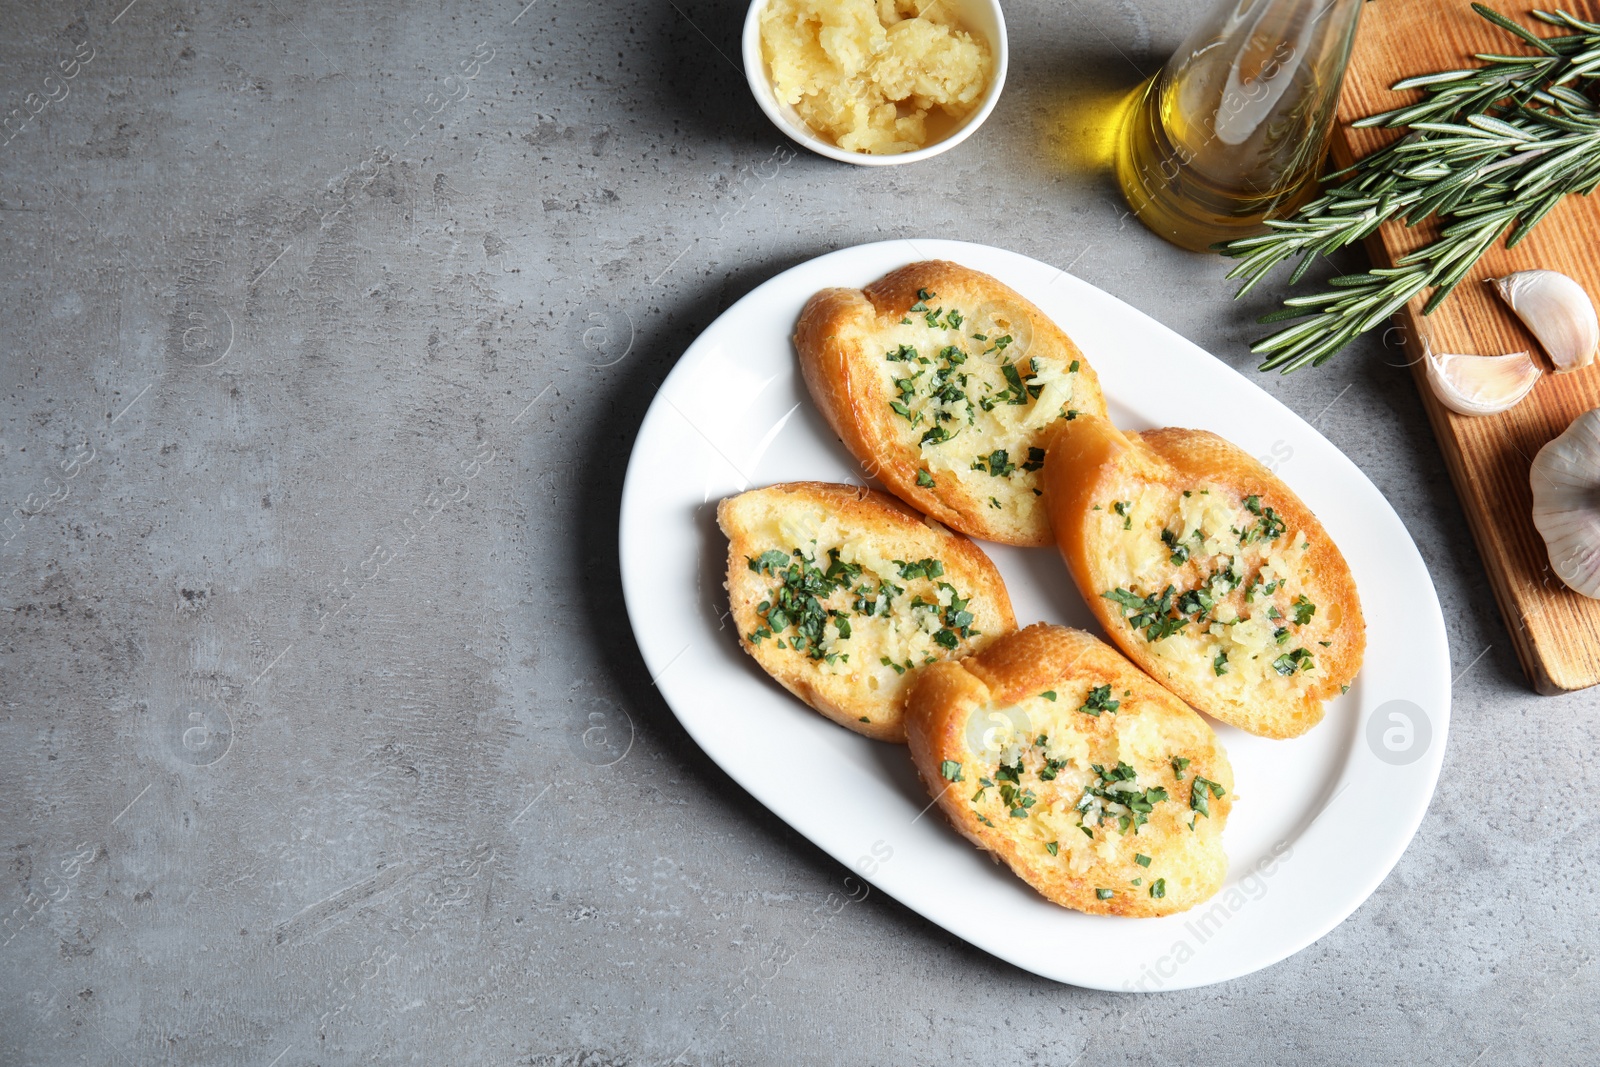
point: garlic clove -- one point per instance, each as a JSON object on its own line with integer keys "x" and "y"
{"x": 1565, "y": 478}
{"x": 1557, "y": 311}
{"x": 1482, "y": 385}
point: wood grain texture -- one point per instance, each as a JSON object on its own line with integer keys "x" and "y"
{"x": 1556, "y": 631}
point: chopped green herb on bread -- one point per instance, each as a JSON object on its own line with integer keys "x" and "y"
{"x": 1097, "y": 786}
{"x": 946, "y": 385}
{"x": 842, "y": 594}
{"x": 1207, "y": 571}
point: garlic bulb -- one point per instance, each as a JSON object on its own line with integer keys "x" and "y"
{"x": 1481, "y": 385}
{"x": 1566, "y": 503}
{"x": 1557, "y": 311}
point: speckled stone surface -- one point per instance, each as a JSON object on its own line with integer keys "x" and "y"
{"x": 327, "y": 330}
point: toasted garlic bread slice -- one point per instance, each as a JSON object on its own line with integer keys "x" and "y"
{"x": 843, "y": 593}
{"x": 945, "y": 385}
{"x": 1207, "y": 571}
{"x": 1098, "y": 787}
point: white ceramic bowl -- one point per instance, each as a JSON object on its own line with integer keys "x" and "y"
{"x": 981, "y": 17}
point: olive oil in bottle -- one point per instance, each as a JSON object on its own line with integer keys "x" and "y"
{"x": 1234, "y": 129}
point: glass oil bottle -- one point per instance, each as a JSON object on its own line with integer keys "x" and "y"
{"x": 1234, "y": 129}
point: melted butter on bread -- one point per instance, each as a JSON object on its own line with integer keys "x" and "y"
{"x": 901, "y": 627}
{"x": 1253, "y": 623}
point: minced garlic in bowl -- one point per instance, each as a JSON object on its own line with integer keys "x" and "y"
{"x": 879, "y": 77}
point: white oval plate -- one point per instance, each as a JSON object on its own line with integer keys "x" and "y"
{"x": 1318, "y": 821}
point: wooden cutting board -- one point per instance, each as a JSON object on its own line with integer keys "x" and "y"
{"x": 1556, "y": 631}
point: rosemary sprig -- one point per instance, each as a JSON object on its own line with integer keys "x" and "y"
{"x": 1491, "y": 150}
{"x": 1475, "y": 90}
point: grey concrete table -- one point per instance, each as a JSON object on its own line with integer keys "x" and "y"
{"x": 327, "y": 330}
